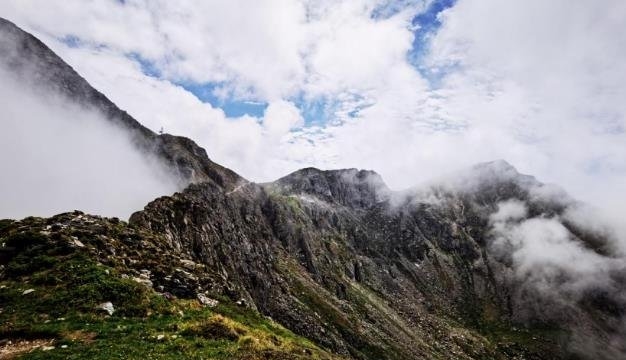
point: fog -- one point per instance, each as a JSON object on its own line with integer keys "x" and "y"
{"x": 557, "y": 272}
{"x": 546, "y": 254}
{"x": 564, "y": 260}
{"x": 58, "y": 156}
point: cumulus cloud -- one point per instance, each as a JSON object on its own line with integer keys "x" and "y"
{"x": 59, "y": 156}
{"x": 281, "y": 117}
{"x": 529, "y": 82}
{"x": 271, "y": 51}
{"x": 264, "y": 50}
{"x": 548, "y": 76}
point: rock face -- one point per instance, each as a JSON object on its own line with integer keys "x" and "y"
{"x": 27, "y": 58}
{"x": 357, "y": 189}
{"x": 369, "y": 273}
{"x": 337, "y": 257}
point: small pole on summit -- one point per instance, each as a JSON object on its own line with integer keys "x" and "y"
{"x": 161, "y": 131}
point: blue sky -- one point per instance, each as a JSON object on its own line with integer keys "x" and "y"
{"x": 232, "y": 107}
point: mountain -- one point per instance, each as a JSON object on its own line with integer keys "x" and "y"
{"x": 29, "y": 59}
{"x": 486, "y": 263}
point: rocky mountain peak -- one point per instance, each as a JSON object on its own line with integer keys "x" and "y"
{"x": 499, "y": 170}
{"x": 486, "y": 182}
{"x": 499, "y": 165}
{"x": 350, "y": 187}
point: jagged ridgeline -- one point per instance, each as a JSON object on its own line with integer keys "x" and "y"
{"x": 318, "y": 264}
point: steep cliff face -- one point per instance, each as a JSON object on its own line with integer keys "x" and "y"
{"x": 31, "y": 61}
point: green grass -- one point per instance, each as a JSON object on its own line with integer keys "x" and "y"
{"x": 346, "y": 323}
{"x": 521, "y": 341}
{"x": 164, "y": 337}
{"x": 68, "y": 285}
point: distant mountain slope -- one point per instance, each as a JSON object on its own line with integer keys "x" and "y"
{"x": 31, "y": 60}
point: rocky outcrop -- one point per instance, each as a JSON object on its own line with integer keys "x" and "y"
{"x": 357, "y": 189}
{"x": 339, "y": 258}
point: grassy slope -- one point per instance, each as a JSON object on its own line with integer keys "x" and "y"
{"x": 70, "y": 280}
{"x": 62, "y": 312}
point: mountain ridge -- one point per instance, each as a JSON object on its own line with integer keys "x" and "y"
{"x": 26, "y": 57}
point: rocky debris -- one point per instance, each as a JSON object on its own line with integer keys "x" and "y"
{"x": 144, "y": 278}
{"x": 135, "y": 254}
{"x": 207, "y": 301}
{"x": 186, "y": 274}
{"x": 77, "y": 243}
{"x": 143, "y": 281}
{"x": 10, "y": 349}
{"x": 190, "y": 265}
{"x": 28, "y": 291}
{"x": 168, "y": 296}
{"x": 106, "y": 306}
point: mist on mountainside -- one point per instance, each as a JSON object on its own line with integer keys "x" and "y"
{"x": 60, "y": 156}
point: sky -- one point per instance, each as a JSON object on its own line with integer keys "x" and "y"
{"x": 413, "y": 89}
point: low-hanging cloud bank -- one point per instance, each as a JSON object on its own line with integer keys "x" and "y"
{"x": 545, "y": 253}
{"x": 59, "y": 156}
{"x": 562, "y": 261}
{"x": 560, "y": 273}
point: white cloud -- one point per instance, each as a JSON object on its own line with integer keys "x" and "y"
{"x": 602, "y": 222}
{"x": 318, "y": 49}
{"x": 509, "y": 210}
{"x": 545, "y": 255}
{"x": 550, "y": 76}
{"x": 264, "y": 50}
{"x": 537, "y": 83}
{"x": 59, "y": 157}
{"x": 281, "y": 117}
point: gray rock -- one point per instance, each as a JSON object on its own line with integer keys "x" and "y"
{"x": 106, "y": 306}
{"x": 207, "y": 301}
